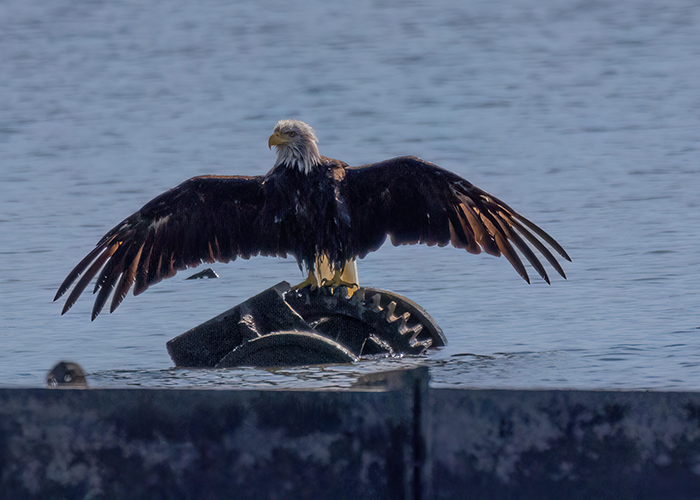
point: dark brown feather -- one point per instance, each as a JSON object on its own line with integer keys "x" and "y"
{"x": 126, "y": 280}
{"x": 539, "y": 246}
{"x": 522, "y": 247}
{"x": 484, "y": 238}
{"x": 78, "y": 270}
{"x": 504, "y": 245}
{"x": 141, "y": 279}
{"x": 392, "y": 198}
{"x": 87, "y": 277}
{"x": 542, "y": 234}
{"x": 111, "y": 272}
{"x": 178, "y": 229}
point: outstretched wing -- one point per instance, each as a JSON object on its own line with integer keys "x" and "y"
{"x": 204, "y": 219}
{"x": 413, "y": 201}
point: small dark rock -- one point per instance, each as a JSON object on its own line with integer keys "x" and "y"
{"x": 66, "y": 375}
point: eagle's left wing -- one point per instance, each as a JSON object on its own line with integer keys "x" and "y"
{"x": 413, "y": 201}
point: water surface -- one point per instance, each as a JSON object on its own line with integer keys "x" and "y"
{"x": 584, "y": 116}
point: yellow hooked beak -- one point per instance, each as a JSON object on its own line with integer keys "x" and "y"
{"x": 276, "y": 139}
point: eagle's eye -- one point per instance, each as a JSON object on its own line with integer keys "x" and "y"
{"x": 292, "y": 133}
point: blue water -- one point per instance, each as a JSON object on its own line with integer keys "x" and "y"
{"x": 584, "y": 116}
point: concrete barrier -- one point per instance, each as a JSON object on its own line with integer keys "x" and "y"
{"x": 389, "y": 437}
{"x": 497, "y": 444}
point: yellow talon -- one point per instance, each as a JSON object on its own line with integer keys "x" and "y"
{"x": 311, "y": 281}
{"x": 327, "y": 276}
{"x": 337, "y": 280}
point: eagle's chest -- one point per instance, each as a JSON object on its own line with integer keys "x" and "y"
{"x": 305, "y": 203}
{"x": 307, "y": 215}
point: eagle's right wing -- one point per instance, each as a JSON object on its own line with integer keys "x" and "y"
{"x": 204, "y": 219}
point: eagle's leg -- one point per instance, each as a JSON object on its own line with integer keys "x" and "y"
{"x": 328, "y": 276}
{"x": 346, "y": 277}
{"x": 337, "y": 280}
{"x": 349, "y": 274}
{"x": 311, "y": 281}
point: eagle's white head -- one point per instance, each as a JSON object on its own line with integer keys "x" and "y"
{"x": 296, "y": 145}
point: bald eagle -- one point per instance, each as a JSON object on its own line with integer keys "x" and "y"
{"x": 323, "y": 212}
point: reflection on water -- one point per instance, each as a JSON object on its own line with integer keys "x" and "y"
{"x": 582, "y": 116}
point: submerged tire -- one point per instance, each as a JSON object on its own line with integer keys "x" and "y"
{"x": 287, "y": 349}
{"x": 283, "y": 327}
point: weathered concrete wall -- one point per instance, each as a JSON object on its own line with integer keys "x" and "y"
{"x": 388, "y": 438}
{"x": 566, "y": 445}
{"x": 151, "y": 444}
